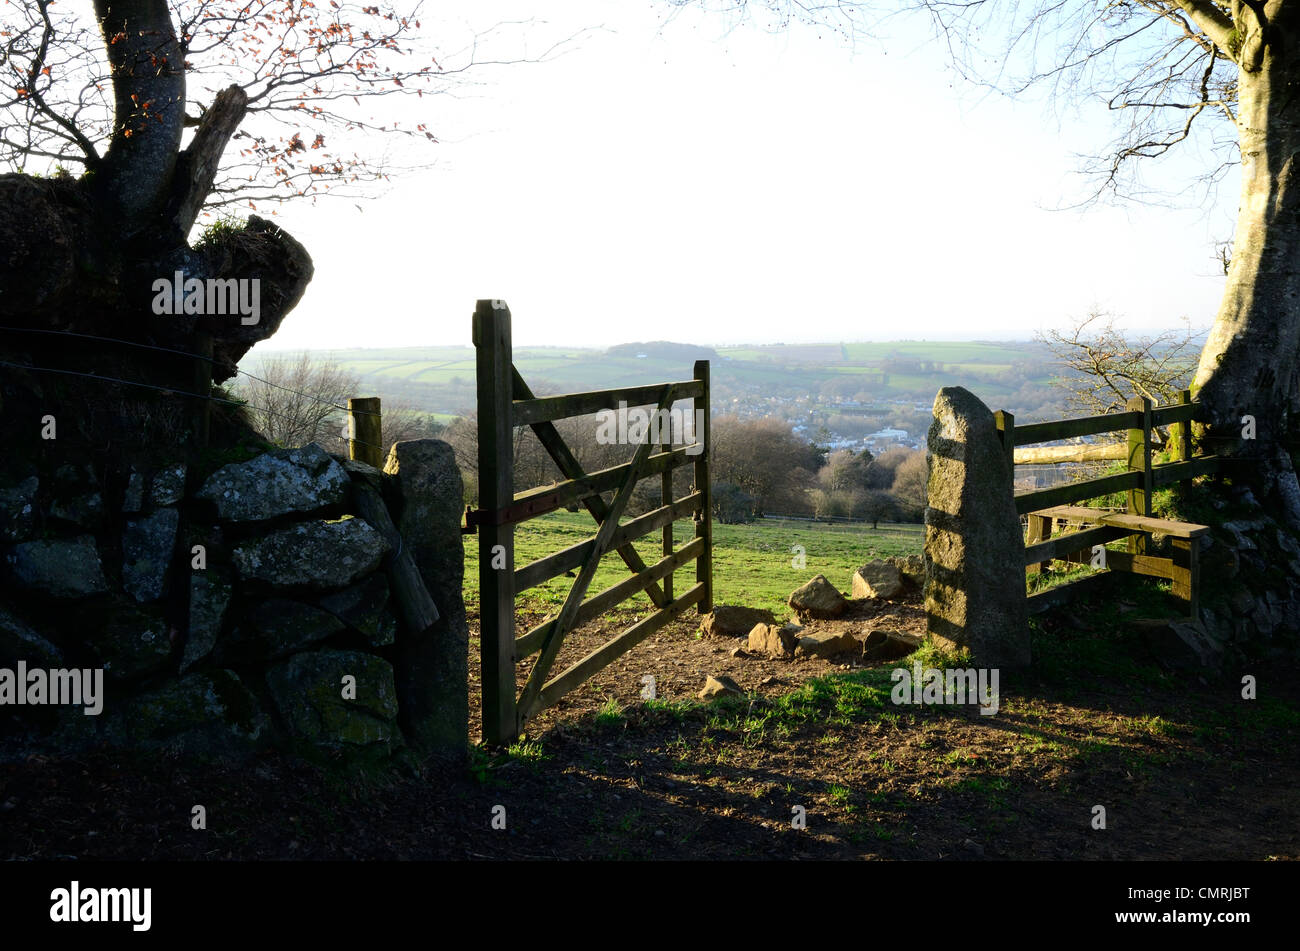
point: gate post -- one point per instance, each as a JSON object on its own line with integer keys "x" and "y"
{"x": 974, "y": 550}
{"x": 496, "y": 547}
{"x": 704, "y": 527}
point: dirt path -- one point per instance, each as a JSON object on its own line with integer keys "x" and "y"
{"x": 1184, "y": 769}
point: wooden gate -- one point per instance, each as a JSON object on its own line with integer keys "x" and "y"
{"x": 504, "y": 403}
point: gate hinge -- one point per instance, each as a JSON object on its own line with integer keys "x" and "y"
{"x": 516, "y": 512}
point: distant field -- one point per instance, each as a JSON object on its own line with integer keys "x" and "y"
{"x": 753, "y": 564}
{"x": 441, "y": 379}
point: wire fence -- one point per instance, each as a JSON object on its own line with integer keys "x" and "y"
{"x": 174, "y": 390}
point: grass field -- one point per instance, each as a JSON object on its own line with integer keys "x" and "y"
{"x": 438, "y": 376}
{"x": 754, "y": 565}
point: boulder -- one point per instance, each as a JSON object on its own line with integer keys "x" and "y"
{"x": 147, "y": 547}
{"x": 817, "y": 599}
{"x": 432, "y": 666}
{"x": 76, "y": 498}
{"x": 19, "y": 641}
{"x": 131, "y": 642}
{"x": 277, "y": 628}
{"x": 889, "y": 645}
{"x": 317, "y": 554}
{"x": 279, "y": 482}
{"x": 364, "y": 607}
{"x": 770, "y": 640}
{"x": 828, "y": 644}
{"x": 720, "y": 685}
{"x": 316, "y": 702}
{"x": 168, "y": 485}
{"x": 18, "y": 510}
{"x": 912, "y": 569}
{"x": 877, "y": 579}
{"x": 726, "y": 620}
{"x": 205, "y": 713}
{"x": 60, "y": 568}
{"x": 85, "y": 510}
{"x": 209, "y": 598}
{"x": 1184, "y": 645}
{"x": 975, "y": 589}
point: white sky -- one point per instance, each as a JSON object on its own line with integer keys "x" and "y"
{"x": 690, "y": 183}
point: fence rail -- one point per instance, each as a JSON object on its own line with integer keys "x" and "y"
{"x": 1098, "y": 527}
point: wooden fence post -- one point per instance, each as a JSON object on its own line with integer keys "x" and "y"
{"x": 1139, "y": 460}
{"x": 1185, "y": 430}
{"x": 366, "y": 431}
{"x": 496, "y": 546}
{"x": 704, "y": 527}
{"x": 666, "y": 498}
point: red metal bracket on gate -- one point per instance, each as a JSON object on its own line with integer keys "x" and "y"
{"x": 517, "y": 512}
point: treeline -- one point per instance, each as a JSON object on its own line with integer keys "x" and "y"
{"x": 759, "y": 467}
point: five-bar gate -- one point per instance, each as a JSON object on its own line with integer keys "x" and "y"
{"x": 506, "y": 402}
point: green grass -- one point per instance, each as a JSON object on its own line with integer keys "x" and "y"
{"x": 753, "y": 564}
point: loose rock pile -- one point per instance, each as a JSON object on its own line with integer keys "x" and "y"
{"x": 822, "y": 623}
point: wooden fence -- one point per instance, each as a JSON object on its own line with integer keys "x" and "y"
{"x": 1096, "y": 527}
{"x": 505, "y": 402}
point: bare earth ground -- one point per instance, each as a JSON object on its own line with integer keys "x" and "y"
{"x": 1184, "y": 768}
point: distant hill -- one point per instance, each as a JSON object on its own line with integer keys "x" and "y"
{"x": 663, "y": 350}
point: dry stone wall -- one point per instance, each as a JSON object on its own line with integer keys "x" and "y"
{"x": 228, "y": 609}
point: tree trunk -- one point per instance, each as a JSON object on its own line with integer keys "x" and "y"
{"x": 1248, "y": 365}
{"x": 148, "y": 109}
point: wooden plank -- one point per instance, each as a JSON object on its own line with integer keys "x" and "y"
{"x": 1006, "y": 424}
{"x": 563, "y": 406}
{"x": 365, "y": 431}
{"x": 1070, "y": 428}
{"x": 1172, "y": 472}
{"x": 1150, "y": 565}
{"x": 1187, "y": 580}
{"x": 414, "y": 603}
{"x": 704, "y": 486}
{"x": 1040, "y": 530}
{"x": 1071, "y": 543}
{"x": 573, "y": 491}
{"x": 566, "y": 559}
{"x": 1051, "y": 455}
{"x": 555, "y": 446}
{"x": 527, "y": 705}
{"x": 601, "y": 656}
{"x": 496, "y": 542}
{"x": 1159, "y": 526}
{"x": 615, "y": 594}
{"x": 1138, "y": 523}
{"x": 1171, "y": 413}
{"x": 1092, "y": 584}
{"x": 1075, "y": 492}
{"x": 1076, "y": 513}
